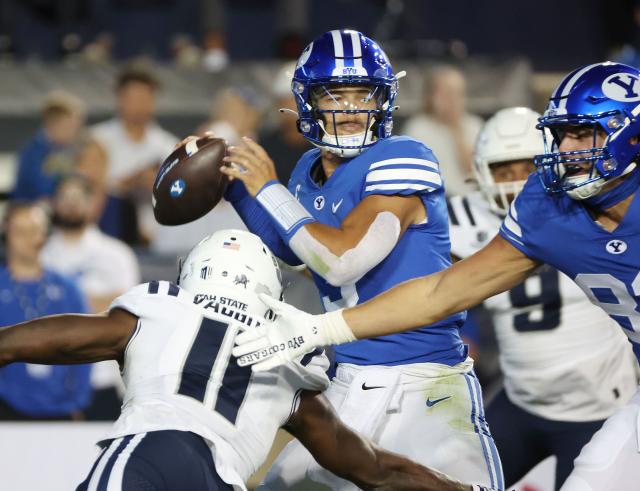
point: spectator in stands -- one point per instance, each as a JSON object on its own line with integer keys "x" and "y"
{"x": 283, "y": 142}
{"x": 446, "y": 127}
{"x": 104, "y": 268}
{"x": 235, "y": 113}
{"x": 114, "y": 216}
{"x": 49, "y": 154}
{"x": 135, "y": 143}
{"x": 29, "y": 290}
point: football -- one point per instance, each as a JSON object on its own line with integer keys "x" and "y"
{"x": 189, "y": 182}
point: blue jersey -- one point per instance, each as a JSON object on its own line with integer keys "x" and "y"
{"x": 606, "y": 265}
{"x": 394, "y": 166}
{"x": 38, "y": 390}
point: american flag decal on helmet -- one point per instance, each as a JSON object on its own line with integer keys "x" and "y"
{"x": 231, "y": 245}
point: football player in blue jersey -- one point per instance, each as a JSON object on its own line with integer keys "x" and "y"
{"x": 579, "y": 213}
{"x": 365, "y": 211}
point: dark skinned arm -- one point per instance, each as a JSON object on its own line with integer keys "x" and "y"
{"x": 347, "y": 454}
{"x": 68, "y": 339}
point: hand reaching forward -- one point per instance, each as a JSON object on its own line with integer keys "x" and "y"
{"x": 290, "y": 336}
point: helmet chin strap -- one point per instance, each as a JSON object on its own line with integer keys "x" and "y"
{"x": 619, "y": 193}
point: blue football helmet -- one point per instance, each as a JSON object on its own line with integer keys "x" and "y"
{"x": 606, "y": 98}
{"x": 339, "y": 58}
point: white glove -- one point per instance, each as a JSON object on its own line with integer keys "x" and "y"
{"x": 290, "y": 336}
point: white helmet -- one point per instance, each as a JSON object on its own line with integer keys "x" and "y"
{"x": 509, "y": 135}
{"x": 234, "y": 264}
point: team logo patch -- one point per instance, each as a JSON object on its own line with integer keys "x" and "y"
{"x": 616, "y": 246}
{"x": 624, "y": 87}
{"x": 318, "y": 203}
{"x": 177, "y": 188}
{"x": 241, "y": 280}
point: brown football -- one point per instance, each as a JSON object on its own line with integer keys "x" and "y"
{"x": 189, "y": 182}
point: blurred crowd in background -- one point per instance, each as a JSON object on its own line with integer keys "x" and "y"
{"x": 78, "y": 227}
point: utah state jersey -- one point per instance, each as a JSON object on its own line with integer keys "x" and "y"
{"x": 179, "y": 375}
{"x": 397, "y": 166}
{"x": 606, "y": 265}
{"x": 562, "y": 357}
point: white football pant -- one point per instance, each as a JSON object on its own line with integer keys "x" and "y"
{"x": 429, "y": 412}
{"x": 611, "y": 460}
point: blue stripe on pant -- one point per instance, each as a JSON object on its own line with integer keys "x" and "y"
{"x": 482, "y": 429}
{"x": 166, "y": 460}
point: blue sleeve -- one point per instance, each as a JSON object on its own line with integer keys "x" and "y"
{"x": 258, "y": 221}
{"x": 517, "y": 226}
{"x": 31, "y": 183}
{"x": 403, "y": 168}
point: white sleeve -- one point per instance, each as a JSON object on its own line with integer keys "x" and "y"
{"x": 376, "y": 244}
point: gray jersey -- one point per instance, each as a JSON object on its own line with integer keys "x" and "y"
{"x": 179, "y": 375}
{"x": 562, "y": 357}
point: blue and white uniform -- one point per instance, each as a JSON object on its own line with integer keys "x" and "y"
{"x": 188, "y": 406}
{"x": 566, "y": 365}
{"x": 606, "y": 265}
{"x": 413, "y": 393}
{"x": 397, "y": 166}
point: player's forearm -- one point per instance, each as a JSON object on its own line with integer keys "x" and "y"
{"x": 426, "y": 300}
{"x": 401, "y": 474}
{"x": 59, "y": 339}
{"x": 259, "y": 222}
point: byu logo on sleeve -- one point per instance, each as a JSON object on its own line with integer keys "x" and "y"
{"x": 318, "y": 203}
{"x": 177, "y": 188}
{"x": 616, "y": 246}
{"x": 623, "y": 87}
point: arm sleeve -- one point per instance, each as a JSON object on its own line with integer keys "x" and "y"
{"x": 29, "y": 181}
{"x": 515, "y": 228}
{"x": 411, "y": 168}
{"x": 258, "y": 221}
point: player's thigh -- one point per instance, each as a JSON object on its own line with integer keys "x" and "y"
{"x": 161, "y": 460}
{"x": 567, "y": 442}
{"x": 443, "y": 425}
{"x": 515, "y": 436}
{"x": 611, "y": 460}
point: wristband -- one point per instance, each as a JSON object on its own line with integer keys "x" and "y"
{"x": 335, "y": 329}
{"x": 287, "y": 212}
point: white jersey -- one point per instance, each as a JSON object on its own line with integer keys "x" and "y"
{"x": 562, "y": 357}
{"x": 179, "y": 375}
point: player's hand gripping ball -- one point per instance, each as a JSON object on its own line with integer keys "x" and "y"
{"x": 189, "y": 183}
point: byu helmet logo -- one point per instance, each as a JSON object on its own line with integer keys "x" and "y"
{"x": 616, "y": 246}
{"x": 304, "y": 57}
{"x": 177, "y": 188}
{"x": 318, "y": 203}
{"x": 623, "y": 87}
